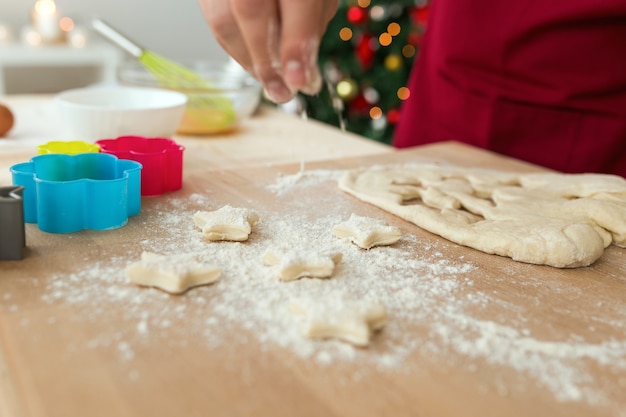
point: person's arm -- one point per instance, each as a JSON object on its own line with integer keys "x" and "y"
{"x": 277, "y": 41}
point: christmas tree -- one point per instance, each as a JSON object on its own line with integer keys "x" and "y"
{"x": 365, "y": 57}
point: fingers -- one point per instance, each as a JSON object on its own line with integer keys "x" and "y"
{"x": 219, "y": 16}
{"x": 275, "y": 40}
{"x": 300, "y": 39}
{"x": 259, "y": 23}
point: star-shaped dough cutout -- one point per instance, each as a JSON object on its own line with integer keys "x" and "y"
{"x": 227, "y": 223}
{"x": 171, "y": 273}
{"x": 366, "y": 232}
{"x": 294, "y": 264}
{"x": 336, "y": 317}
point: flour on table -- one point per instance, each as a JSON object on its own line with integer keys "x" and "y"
{"x": 294, "y": 264}
{"x": 366, "y": 232}
{"x": 171, "y": 273}
{"x": 227, "y": 223}
{"x": 439, "y": 308}
{"x": 561, "y": 220}
{"x": 338, "y": 317}
{"x": 302, "y": 179}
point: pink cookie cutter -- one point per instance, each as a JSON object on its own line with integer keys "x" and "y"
{"x": 162, "y": 161}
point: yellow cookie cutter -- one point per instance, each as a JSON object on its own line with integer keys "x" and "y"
{"x": 74, "y": 147}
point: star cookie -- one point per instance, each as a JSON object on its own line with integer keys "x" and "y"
{"x": 366, "y": 232}
{"x": 227, "y": 223}
{"x": 336, "y": 317}
{"x": 291, "y": 265}
{"x": 171, "y": 273}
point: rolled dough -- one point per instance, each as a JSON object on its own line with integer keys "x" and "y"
{"x": 561, "y": 220}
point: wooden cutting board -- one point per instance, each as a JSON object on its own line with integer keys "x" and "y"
{"x": 468, "y": 333}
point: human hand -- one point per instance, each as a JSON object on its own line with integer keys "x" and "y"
{"x": 277, "y": 41}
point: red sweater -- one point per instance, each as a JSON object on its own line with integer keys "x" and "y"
{"x": 539, "y": 80}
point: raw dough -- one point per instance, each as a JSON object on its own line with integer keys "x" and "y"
{"x": 337, "y": 317}
{"x": 227, "y": 223}
{"x": 293, "y": 264}
{"x": 171, "y": 273}
{"x": 366, "y": 232}
{"x": 562, "y": 220}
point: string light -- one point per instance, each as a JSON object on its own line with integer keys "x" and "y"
{"x": 393, "y": 116}
{"x": 393, "y": 29}
{"x": 377, "y": 12}
{"x": 393, "y": 62}
{"x": 385, "y": 39}
{"x": 379, "y": 124}
{"x": 347, "y": 89}
{"x": 403, "y": 93}
{"x": 408, "y": 51}
{"x": 345, "y": 34}
{"x": 356, "y": 15}
{"x": 376, "y": 112}
{"x": 371, "y": 95}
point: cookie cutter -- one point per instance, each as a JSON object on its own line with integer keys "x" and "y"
{"x": 68, "y": 193}
{"x": 73, "y": 147}
{"x": 12, "y": 233}
{"x": 161, "y": 158}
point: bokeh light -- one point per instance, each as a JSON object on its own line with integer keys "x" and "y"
{"x": 345, "y": 34}
{"x": 376, "y": 112}
{"x": 408, "y": 51}
{"x": 393, "y": 28}
{"x": 385, "y": 39}
{"x": 66, "y": 24}
{"x": 403, "y": 93}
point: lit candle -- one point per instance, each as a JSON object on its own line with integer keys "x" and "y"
{"x": 45, "y": 19}
{"x": 77, "y": 37}
{"x": 30, "y": 36}
{"x": 6, "y": 35}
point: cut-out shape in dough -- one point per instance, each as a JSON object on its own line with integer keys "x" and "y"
{"x": 337, "y": 317}
{"x": 561, "y": 220}
{"x": 227, "y": 223}
{"x": 366, "y": 232}
{"x": 170, "y": 273}
{"x": 294, "y": 264}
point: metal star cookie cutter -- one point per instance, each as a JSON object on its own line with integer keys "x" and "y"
{"x": 12, "y": 234}
{"x": 68, "y": 193}
{"x": 161, "y": 158}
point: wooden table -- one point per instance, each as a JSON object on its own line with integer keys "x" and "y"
{"x": 270, "y": 138}
{"x": 469, "y": 334}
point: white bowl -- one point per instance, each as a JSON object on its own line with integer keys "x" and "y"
{"x": 105, "y": 112}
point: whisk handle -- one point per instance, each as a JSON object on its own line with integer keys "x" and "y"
{"x": 116, "y": 37}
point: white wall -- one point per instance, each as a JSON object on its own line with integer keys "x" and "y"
{"x": 173, "y": 28}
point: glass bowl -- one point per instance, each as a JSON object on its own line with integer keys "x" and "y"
{"x": 229, "y": 96}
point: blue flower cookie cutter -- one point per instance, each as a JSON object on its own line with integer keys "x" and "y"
{"x": 68, "y": 193}
{"x": 12, "y": 233}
